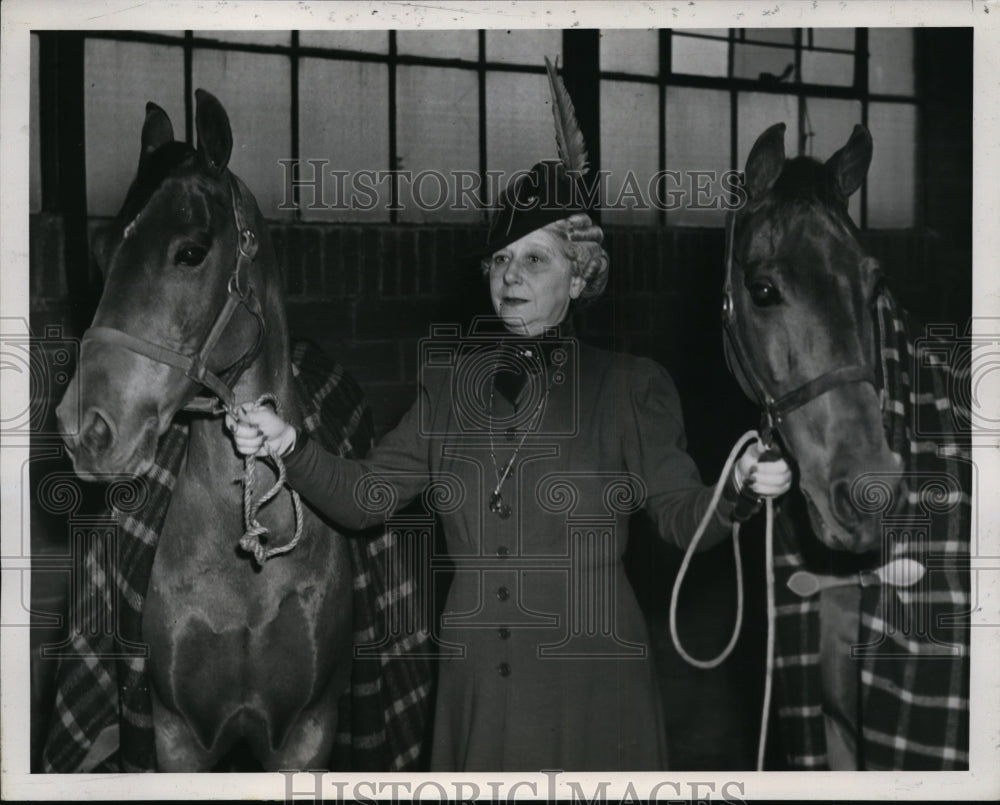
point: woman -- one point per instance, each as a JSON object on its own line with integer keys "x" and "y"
{"x": 571, "y": 440}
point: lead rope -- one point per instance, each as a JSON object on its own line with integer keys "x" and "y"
{"x": 251, "y": 539}
{"x": 769, "y": 575}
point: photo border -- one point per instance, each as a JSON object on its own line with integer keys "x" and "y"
{"x": 20, "y": 16}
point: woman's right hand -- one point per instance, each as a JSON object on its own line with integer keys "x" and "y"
{"x": 259, "y": 431}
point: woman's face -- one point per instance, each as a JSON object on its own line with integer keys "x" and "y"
{"x": 532, "y": 283}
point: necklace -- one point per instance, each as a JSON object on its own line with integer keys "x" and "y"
{"x": 497, "y": 504}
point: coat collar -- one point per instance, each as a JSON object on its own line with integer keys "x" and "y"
{"x": 522, "y": 357}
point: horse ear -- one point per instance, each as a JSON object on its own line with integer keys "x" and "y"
{"x": 767, "y": 158}
{"x": 156, "y": 129}
{"x": 215, "y": 136}
{"x": 849, "y": 165}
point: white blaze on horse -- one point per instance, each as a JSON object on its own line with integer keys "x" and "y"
{"x": 193, "y": 301}
{"x": 872, "y": 665}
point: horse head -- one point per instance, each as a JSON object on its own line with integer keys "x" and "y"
{"x": 183, "y": 296}
{"x": 801, "y": 294}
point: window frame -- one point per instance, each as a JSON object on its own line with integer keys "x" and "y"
{"x": 858, "y": 90}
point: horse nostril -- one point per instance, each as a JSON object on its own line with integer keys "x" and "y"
{"x": 97, "y": 434}
{"x": 842, "y": 505}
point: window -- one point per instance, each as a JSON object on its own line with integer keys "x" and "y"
{"x": 433, "y": 116}
{"x": 410, "y": 109}
{"x": 678, "y": 106}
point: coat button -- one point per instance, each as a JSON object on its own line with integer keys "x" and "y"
{"x": 503, "y": 551}
{"x": 503, "y": 669}
{"x": 503, "y": 593}
{"x": 503, "y": 632}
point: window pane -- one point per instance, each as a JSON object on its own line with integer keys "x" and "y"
{"x": 248, "y": 37}
{"x": 34, "y": 151}
{"x": 699, "y": 56}
{"x": 355, "y": 142}
{"x": 697, "y": 140}
{"x": 819, "y": 67}
{"x": 520, "y": 129}
{"x": 783, "y": 36}
{"x": 891, "y": 185}
{"x": 751, "y": 61}
{"x": 831, "y": 123}
{"x": 630, "y": 51}
{"x": 630, "y": 134}
{"x": 254, "y": 89}
{"x": 759, "y": 111}
{"x": 523, "y": 47}
{"x": 120, "y": 78}
{"x": 441, "y": 44}
{"x": 364, "y": 41}
{"x": 890, "y": 65}
{"x": 437, "y": 119}
{"x": 833, "y": 38}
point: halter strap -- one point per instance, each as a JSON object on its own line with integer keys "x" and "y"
{"x": 238, "y": 292}
{"x": 773, "y": 406}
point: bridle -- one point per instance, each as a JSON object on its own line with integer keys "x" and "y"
{"x": 773, "y": 405}
{"x": 239, "y": 291}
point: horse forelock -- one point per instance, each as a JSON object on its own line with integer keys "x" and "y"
{"x": 805, "y": 184}
{"x": 154, "y": 168}
{"x": 802, "y": 196}
{"x": 805, "y": 179}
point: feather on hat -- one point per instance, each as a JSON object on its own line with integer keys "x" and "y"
{"x": 552, "y": 189}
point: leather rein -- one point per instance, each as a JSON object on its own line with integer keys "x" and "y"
{"x": 239, "y": 291}
{"x": 773, "y": 405}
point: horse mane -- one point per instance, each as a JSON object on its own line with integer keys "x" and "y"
{"x": 805, "y": 179}
{"x": 154, "y": 168}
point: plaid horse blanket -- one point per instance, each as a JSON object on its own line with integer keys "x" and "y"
{"x": 102, "y": 719}
{"x": 913, "y": 650}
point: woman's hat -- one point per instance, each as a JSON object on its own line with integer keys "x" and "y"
{"x": 552, "y": 189}
{"x": 545, "y": 194}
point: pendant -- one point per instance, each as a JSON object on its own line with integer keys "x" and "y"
{"x": 498, "y": 507}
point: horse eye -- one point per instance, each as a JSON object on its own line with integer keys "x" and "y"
{"x": 190, "y": 256}
{"x": 763, "y": 293}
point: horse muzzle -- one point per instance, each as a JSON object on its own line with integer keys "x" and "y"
{"x": 98, "y": 445}
{"x": 852, "y": 515}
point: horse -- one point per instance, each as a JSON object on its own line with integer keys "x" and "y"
{"x": 813, "y": 335}
{"x": 241, "y": 656}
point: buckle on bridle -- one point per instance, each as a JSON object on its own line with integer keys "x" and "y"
{"x": 248, "y": 243}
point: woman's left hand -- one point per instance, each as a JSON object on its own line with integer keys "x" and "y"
{"x": 767, "y": 478}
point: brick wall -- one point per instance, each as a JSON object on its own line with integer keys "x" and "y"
{"x": 367, "y": 294}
